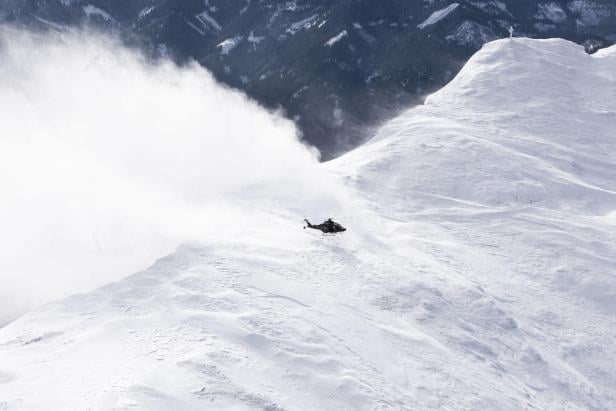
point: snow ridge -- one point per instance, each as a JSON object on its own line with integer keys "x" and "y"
{"x": 477, "y": 272}
{"x": 438, "y": 16}
{"x": 336, "y": 38}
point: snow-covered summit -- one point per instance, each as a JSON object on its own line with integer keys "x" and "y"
{"x": 514, "y": 165}
{"x": 525, "y": 121}
{"x": 477, "y": 272}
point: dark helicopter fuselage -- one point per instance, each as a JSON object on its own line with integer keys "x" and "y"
{"x": 327, "y": 227}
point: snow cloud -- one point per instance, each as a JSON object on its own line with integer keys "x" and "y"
{"x": 108, "y": 161}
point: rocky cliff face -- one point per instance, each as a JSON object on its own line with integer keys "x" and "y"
{"x": 336, "y": 68}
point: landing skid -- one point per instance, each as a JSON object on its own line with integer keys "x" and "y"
{"x": 324, "y": 234}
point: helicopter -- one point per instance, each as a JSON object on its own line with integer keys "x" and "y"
{"x": 329, "y": 226}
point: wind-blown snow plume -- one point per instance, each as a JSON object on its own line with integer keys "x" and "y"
{"x": 108, "y": 162}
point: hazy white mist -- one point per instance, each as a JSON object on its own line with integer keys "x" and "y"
{"x": 108, "y": 162}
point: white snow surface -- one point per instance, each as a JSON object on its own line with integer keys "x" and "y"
{"x": 551, "y": 11}
{"x": 255, "y": 40}
{"x": 478, "y": 272}
{"x": 145, "y": 11}
{"x": 471, "y": 34}
{"x": 304, "y": 24}
{"x": 336, "y": 38}
{"x": 207, "y": 20}
{"x": 438, "y": 16}
{"x": 229, "y": 44}
{"x": 91, "y": 10}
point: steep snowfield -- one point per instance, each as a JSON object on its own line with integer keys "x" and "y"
{"x": 478, "y": 272}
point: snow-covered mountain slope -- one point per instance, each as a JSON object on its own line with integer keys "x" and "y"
{"x": 478, "y": 272}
